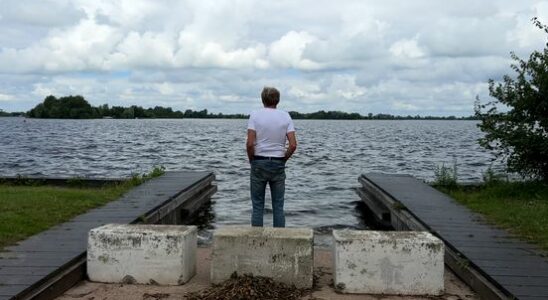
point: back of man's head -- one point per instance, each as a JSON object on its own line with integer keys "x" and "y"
{"x": 270, "y": 96}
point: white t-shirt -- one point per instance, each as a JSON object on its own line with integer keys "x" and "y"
{"x": 271, "y": 127}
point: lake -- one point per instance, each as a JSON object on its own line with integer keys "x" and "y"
{"x": 321, "y": 177}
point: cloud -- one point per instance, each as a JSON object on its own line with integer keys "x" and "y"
{"x": 287, "y": 52}
{"x": 45, "y": 13}
{"x": 366, "y": 56}
{"x": 6, "y": 97}
{"x": 404, "y": 106}
{"x": 148, "y": 49}
{"x": 407, "y": 48}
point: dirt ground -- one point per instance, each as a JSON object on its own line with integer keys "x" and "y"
{"x": 85, "y": 290}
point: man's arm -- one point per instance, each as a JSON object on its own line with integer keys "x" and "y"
{"x": 292, "y": 144}
{"x": 250, "y": 145}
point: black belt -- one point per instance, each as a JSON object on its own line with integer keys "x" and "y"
{"x": 257, "y": 157}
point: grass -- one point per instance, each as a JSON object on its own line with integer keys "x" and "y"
{"x": 520, "y": 207}
{"x": 27, "y": 207}
{"x": 27, "y": 210}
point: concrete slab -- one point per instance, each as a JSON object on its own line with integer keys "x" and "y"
{"x": 283, "y": 254}
{"x": 455, "y": 288}
{"x": 388, "y": 262}
{"x": 144, "y": 254}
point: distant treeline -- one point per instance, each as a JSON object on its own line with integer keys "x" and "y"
{"x": 339, "y": 115}
{"x": 76, "y": 107}
{"x": 10, "y": 114}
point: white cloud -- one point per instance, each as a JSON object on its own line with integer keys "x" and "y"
{"x": 403, "y": 106}
{"x": 527, "y": 36}
{"x": 40, "y": 13}
{"x": 287, "y": 52}
{"x": 6, "y": 97}
{"x": 355, "y": 55}
{"x": 143, "y": 50}
{"x": 344, "y": 86}
{"x": 41, "y": 91}
{"x": 407, "y": 48}
{"x": 165, "y": 88}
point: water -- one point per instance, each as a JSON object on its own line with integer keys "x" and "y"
{"x": 321, "y": 177}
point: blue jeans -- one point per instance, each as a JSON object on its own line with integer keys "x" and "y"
{"x": 273, "y": 173}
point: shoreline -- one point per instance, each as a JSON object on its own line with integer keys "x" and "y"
{"x": 228, "y": 118}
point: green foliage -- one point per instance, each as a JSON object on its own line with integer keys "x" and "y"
{"x": 70, "y": 107}
{"x": 28, "y": 206}
{"x": 333, "y": 115}
{"x": 490, "y": 177}
{"x": 339, "y": 115}
{"x": 76, "y": 107}
{"x": 156, "y": 171}
{"x": 445, "y": 176}
{"x": 520, "y": 135}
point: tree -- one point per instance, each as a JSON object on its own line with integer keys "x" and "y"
{"x": 128, "y": 113}
{"x": 520, "y": 134}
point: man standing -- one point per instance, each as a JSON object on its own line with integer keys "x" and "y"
{"x": 267, "y": 132}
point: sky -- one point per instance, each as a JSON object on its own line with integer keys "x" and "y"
{"x": 425, "y": 57}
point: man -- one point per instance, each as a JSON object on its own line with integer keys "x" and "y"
{"x": 267, "y": 132}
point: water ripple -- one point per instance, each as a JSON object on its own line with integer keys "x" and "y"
{"x": 321, "y": 177}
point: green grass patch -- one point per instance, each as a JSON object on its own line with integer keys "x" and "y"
{"x": 28, "y": 207}
{"x": 520, "y": 207}
{"x": 27, "y": 210}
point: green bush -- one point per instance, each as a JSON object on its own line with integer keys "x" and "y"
{"x": 156, "y": 171}
{"x": 519, "y": 135}
{"x": 445, "y": 176}
{"x": 491, "y": 177}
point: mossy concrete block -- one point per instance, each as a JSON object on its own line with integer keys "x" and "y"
{"x": 143, "y": 254}
{"x": 283, "y": 254}
{"x": 388, "y": 262}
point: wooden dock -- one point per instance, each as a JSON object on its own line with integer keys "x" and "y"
{"x": 493, "y": 262}
{"x": 47, "y": 264}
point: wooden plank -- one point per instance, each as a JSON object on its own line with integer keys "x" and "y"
{"x": 193, "y": 204}
{"x": 476, "y": 280}
{"x": 505, "y": 263}
{"x": 484, "y": 287}
{"x": 26, "y": 270}
{"x": 160, "y": 211}
{"x": 9, "y": 291}
{"x": 36, "y": 262}
{"x": 39, "y": 240}
{"x": 381, "y": 213}
{"x": 56, "y": 284}
{"x": 492, "y": 250}
{"x": 523, "y": 292}
{"x": 523, "y": 281}
{"x": 514, "y": 271}
{"x": 52, "y": 261}
{"x": 21, "y": 280}
{"x": 498, "y": 249}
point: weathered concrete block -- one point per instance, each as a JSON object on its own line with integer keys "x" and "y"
{"x": 283, "y": 254}
{"x": 383, "y": 262}
{"x": 145, "y": 254}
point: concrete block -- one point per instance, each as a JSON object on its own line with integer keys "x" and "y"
{"x": 283, "y": 254}
{"x": 388, "y": 262}
{"x": 144, "y": 254}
